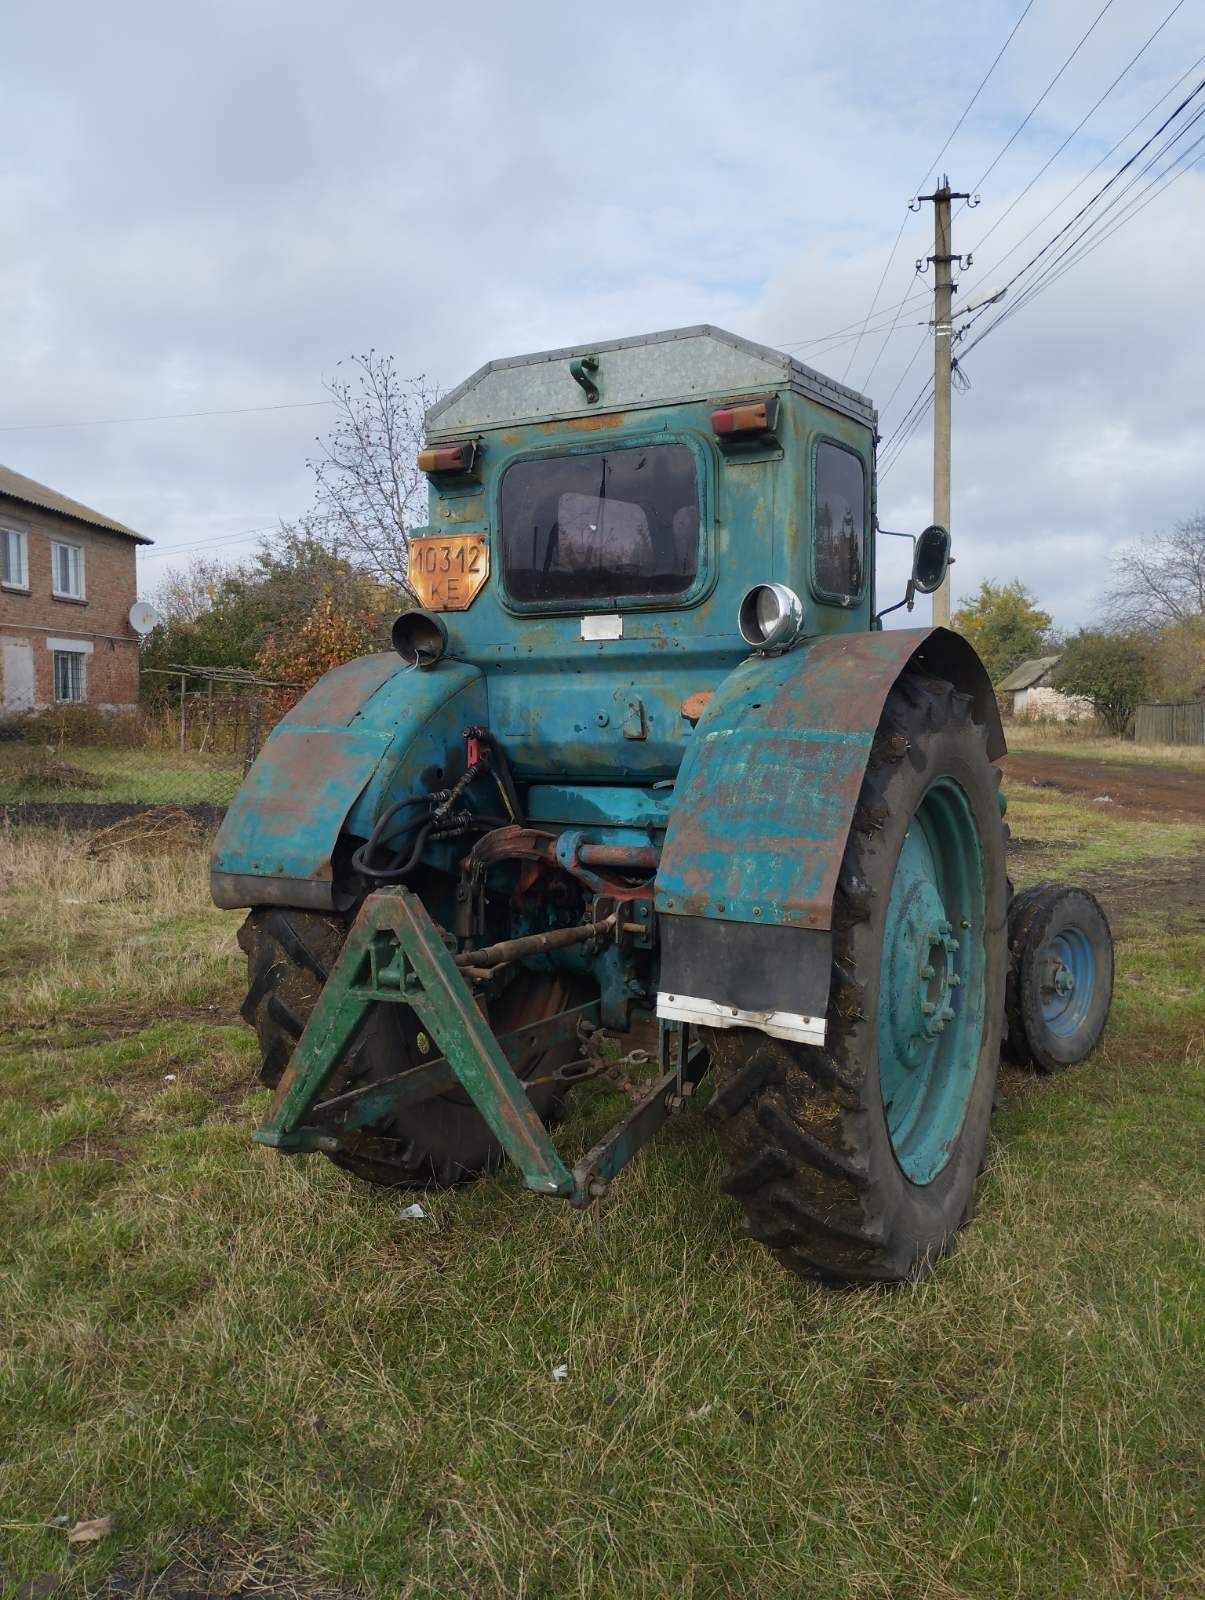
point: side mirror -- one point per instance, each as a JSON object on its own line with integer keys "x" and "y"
{"x": 931, "y": 558}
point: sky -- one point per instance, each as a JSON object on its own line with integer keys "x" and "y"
{"x": 209, "y": 206}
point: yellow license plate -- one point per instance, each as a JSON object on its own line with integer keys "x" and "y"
{"x": 447, "y": 572}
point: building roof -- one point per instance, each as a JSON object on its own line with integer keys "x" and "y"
{"x": 1028, "y": 673}
{"x": 654, "y": 369}
{"x": 16, "y": 486}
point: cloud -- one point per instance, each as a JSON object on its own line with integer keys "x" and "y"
{"x": 209, "y": 208}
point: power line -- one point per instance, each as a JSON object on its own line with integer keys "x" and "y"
{"x": 205, "y": 544}
{"x": 1098, "y": 229}
{"x": 1073, "y": 254}
{"x": 886, "y": 468}
{"x": 852, "y": 327}
{"x": 921, "y": 343}
{"x": 1105, "y": 187}
{"x": 839, "y": 344}
{"x": 1013, "y": 136}
{"x": 904, "y": 223}
{"x": 163, "y": 416}
{"x": 906, "y": 439}
{"x": 1045, "y": 217}
{"x": 1095, "y": 106}
{"x": 1025, "y": 119}
{"x": 1102, "y": 227}
{"x": 1136, "y": 206}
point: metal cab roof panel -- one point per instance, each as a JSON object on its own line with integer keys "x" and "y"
{"x": 655, "y": 369}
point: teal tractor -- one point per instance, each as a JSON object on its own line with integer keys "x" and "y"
{"x": 646, "y": 793}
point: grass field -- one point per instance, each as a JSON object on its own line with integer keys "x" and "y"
{"x": 81, "y": 774}
{"x": 263, "y": 1373}
{"x": 1055, "y": 738}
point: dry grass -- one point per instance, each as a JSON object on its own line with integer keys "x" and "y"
{"x": 1055, "y": 738}
{"x": 128, "y": 933}
{"x": 259, "y": 1367}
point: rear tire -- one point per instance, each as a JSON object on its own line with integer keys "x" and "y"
{"x": 441, "y": 1142}
{"x": 858, "y": 1162}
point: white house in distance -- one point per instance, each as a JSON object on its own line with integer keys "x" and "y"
{"x": 1032, "y": 697}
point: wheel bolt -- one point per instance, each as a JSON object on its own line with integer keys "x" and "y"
{"x": 928, "y": 1008}
{"x": 926, "y": 971}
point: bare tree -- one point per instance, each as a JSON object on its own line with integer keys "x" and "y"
{"x": 1160, "y": 583}
{"x": 369, "y": 491}
{"x": 188, "y": 593}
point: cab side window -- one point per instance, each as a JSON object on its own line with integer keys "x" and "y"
{"x": 839, "y": 534}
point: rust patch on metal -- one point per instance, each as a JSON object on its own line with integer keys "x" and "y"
{"x": 695, "y": 704}
{"x": 593, "y": 424}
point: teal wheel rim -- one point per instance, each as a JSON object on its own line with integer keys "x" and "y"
{"x": 932, "y": 982}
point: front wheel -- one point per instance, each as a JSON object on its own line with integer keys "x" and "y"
{"x": 858, "y": 1161}
{"x": 1060, "y": 976}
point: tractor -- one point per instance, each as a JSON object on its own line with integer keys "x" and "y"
{"x": 646, "y": 793}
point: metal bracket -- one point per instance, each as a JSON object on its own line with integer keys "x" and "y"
{"x": 581, "y": 368}
{"x": 395, "y": 953}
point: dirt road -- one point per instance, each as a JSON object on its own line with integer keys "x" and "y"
{"x": 1162, "y": 793}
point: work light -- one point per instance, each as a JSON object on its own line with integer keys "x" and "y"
{"x": 770, "y": 616}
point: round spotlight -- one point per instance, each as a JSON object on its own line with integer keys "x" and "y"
{"x": 770, "y": 616}
{"x": 420, "y": 638}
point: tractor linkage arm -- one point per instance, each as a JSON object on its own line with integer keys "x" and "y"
{"x": 395, "y": 954}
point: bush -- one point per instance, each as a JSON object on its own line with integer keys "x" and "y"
{"x": 1116, "y": 671}
{"x": 74, "y": 725}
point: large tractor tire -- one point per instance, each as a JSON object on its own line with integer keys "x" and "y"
{"x": 438, "y": 1143}
{"x": 857, "y": 1162}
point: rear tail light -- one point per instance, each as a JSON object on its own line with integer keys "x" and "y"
{"x": 745, "y": 421}
{"x": 451, "y": 458}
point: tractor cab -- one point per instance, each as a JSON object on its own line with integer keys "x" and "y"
{"x": 597, "y": 520}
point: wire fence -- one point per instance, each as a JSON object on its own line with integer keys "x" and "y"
{"x": 189, "y": 744}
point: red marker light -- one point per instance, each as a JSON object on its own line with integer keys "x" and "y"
{"x": 447, "y": 458}
{"x": 745, "y": 419}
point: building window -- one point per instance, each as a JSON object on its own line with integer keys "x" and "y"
{"x": 69, "y": 683}
{"x": 67, "y": 566}
{"x": 15, "y": 571}
{"x": 840, "y": 528}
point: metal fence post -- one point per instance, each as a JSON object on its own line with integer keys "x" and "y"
{"x": 253, "y": 723}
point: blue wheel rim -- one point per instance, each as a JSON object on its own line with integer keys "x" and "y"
{"x": 1066, "y": 980}
{"x": 932, "y": 982}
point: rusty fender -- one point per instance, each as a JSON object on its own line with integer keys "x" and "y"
{"x": 363, "y": 733}
{"x": 760, "y": 817}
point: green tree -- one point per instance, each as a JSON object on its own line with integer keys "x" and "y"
{"x": 224, "y": 615}
{"x": 1116, "y": 671}
{"x": 1005, "y": 624}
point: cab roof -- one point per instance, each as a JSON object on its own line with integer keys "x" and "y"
{"x": 655, "y": 369}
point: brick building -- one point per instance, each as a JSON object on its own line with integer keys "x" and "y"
{"x": 68, "y": 578}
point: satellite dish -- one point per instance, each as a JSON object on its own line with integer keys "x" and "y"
{"x": 143, "y": 618}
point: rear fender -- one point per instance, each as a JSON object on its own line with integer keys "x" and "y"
{"x": 362, "y": 736}
{"x": 760, "y": 817}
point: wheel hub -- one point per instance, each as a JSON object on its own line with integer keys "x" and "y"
{"x": 931, "y": 995}
{"x": 924, "y": 973}
{"x": 1060, "y": 979}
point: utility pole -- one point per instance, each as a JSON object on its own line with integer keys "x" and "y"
{"x": 943, "y": 306}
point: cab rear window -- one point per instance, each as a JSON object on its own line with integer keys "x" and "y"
{"x": 613, "y": 525}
